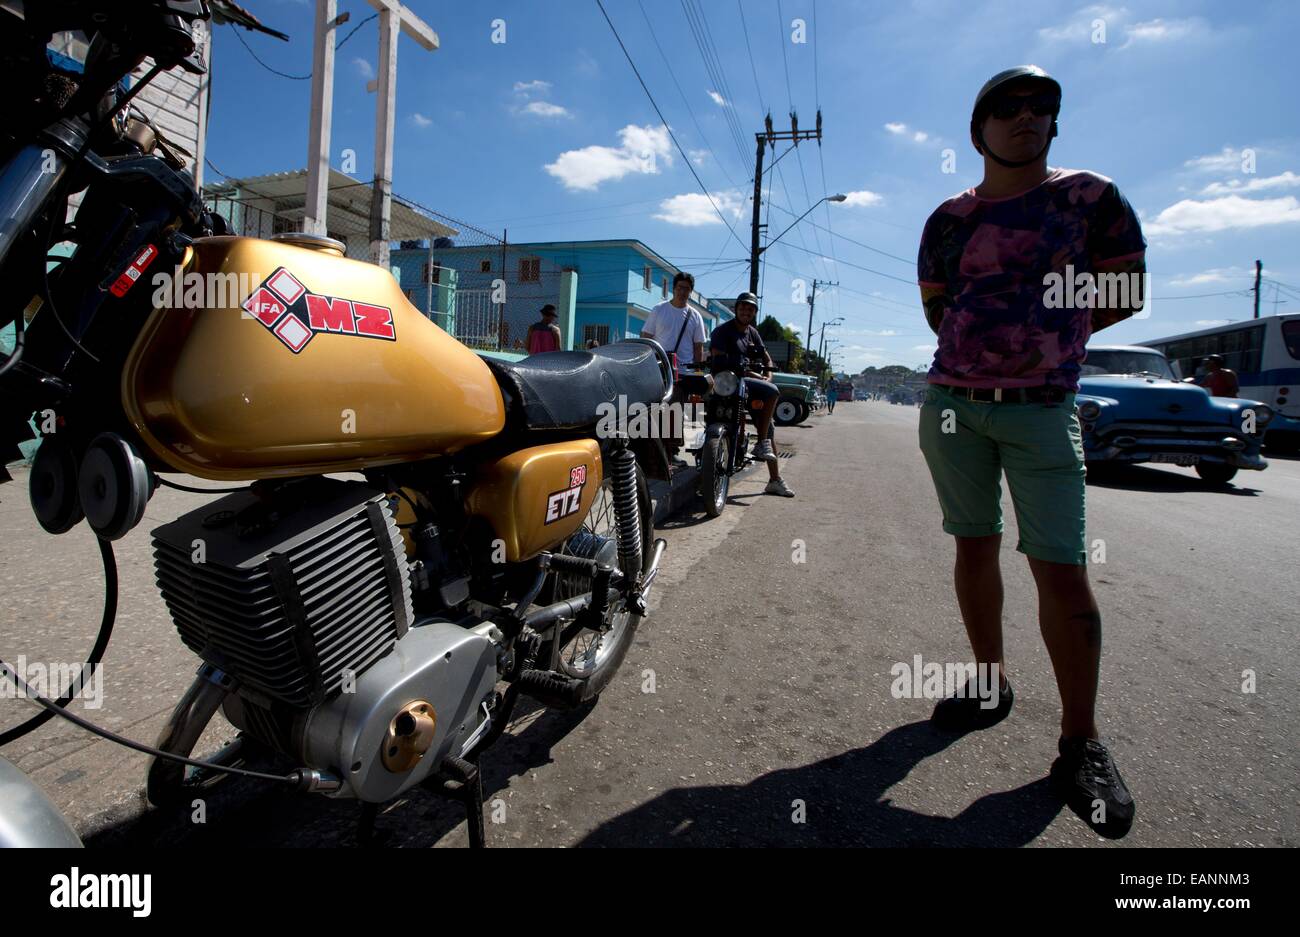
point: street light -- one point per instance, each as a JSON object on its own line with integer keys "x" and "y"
{"x": 825, "y": 198}
{"x": 833, "y": 322}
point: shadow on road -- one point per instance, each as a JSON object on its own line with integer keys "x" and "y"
{"x": 845, "y": 805}
{"x": 250, "y": 813}
{"x": 1140, "y": 478}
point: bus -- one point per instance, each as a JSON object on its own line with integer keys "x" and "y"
{"x": 1265, "y": 353}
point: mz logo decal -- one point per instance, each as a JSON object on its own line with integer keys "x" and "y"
{"x": 294, "y": 314}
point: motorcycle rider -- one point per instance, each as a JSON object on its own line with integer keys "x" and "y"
{"x": 738, "y": 339}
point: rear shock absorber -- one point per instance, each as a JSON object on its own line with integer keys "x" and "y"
{"x": 627, "y": 511}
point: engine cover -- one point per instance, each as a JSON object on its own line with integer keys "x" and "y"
{"x": 294, "y": 594}
{"x": 452, "y": 668}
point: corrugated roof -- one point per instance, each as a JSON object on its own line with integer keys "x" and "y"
{"x": 347, "y": 197}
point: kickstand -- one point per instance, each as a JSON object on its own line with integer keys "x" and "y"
{"x": 460, "y": 780}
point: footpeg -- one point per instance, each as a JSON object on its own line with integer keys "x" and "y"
{"x": 551, "y": 688}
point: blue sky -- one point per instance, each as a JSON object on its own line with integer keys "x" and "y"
{"x": 1189, "y": 106}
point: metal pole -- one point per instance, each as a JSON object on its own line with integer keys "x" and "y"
{"x": 812, "y": 302}
{"x": 758, "y": 200}
{"x": 1259, "y": 267}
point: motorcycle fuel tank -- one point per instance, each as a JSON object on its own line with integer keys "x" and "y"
{"x": 279, "y": 359}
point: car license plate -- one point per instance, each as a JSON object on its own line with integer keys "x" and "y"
{"x": 1176, "y": 458}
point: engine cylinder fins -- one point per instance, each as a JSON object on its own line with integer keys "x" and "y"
{"x": 53, "y": 486}
{"x": 409, "y": 736}
{"x": 114, "y": 486}
{"x": 627, "y": 511}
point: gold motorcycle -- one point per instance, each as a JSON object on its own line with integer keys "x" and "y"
{"x": 426, "y": 534}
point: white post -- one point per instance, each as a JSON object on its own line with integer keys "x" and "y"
{"x": 385, "y": 109}
{"x": 392, "y": 17}
{"x": 322, "y": 109}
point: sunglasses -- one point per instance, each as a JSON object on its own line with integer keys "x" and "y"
{"x": 1040, "y": 105}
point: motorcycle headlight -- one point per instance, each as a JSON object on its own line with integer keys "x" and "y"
{"x": 725, "y": 383}
{"x": 1089, "y": 410}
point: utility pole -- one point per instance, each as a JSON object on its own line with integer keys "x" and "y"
{"x": 1259, "y": 267}
{"x": 393, "y": 18}
{"x": 769, "y": 137}
{"x": 812, "y": 304}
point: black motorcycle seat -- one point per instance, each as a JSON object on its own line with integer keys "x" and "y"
{"x": 562, "y": 389}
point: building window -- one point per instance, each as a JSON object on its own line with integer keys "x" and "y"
{"x": 597, "y": 333}
{"x": 485, "y": 266}
{"x": 530, "y": 270}
{"x": 645, "y": 279}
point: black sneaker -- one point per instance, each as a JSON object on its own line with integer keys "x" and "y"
{"x": 1087, "y": 780}
{"x": 965, "y": 712}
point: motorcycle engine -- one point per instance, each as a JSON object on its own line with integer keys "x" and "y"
{"x": 294, "y": 594}
{"x": 302, "y": 594}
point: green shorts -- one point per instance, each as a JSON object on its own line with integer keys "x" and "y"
{"x": 968, "y": 445}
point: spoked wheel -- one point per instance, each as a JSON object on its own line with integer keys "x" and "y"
{"x": 584, "y": 654}
{"x": 715, "y": 476}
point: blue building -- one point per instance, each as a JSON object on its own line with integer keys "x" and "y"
{"x": 488, "y": 295}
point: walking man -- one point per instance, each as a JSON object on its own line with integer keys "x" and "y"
{"x": 1001, "y": 399}
{"x": 544, "y": 335}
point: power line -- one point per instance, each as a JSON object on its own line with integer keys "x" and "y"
{"x": 273, "y": 71}
{"x": 752, "y": 68}
{"x": 673, "y": 74}
{"x": 671, "y": 135}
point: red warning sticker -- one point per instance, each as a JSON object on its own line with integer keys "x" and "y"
{"x": 132, "y": 273}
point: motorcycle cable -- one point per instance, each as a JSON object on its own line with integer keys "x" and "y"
{"x": 96, "y": 652}
{"x": 199, "y": 491}
{"x": 16, "y": 355}
{"x": 295, "y": 778}
{"x": 49, "y": 298}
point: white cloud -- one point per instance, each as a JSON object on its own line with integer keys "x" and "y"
{"x": 697, "y": 156}
{"x": 1159, "y": 30}
{"x": 718, "y": 99}
{"x": 1212, "y": 276}
{"x": 1226, "y": 160}
{"x": 364, "y": 68}
{"x": 1222, "y": 214}
{"x": 421, "y": 121}
{"x": 528, "y": 87}
{"x": 1207, "y": 323}
{"x": 902, "y": 130}
{"x": 1286, "y": 180}
{"x": 1080, "y": 28}
{"x": 862, "y": 199}
{"x": 640, "y": 150}
{"x": 545, "y": 109}
{"x": 929, "y": 348}
{"x": 693, "y": 209}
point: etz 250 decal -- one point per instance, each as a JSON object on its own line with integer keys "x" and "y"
{"x": 294, "y": 314}
{"x": 569, "y": 500}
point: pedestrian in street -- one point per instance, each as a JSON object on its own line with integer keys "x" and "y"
{"x": 831, "y": 396}
{"x": 1001, "y": 399}
{"x": 1218, "y": 380}
{"x": 544, "y": 335}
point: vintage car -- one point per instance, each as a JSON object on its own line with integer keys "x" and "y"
{"x": 1133, "y": 409}
{"x": 798, "y": 398}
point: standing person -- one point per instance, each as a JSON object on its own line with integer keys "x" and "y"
{"x": 544, "y": 335}
{"x": 832, "y": 395}
{"x": 676, "y": 326}
{"x": 1218, "y": 380}
{"x": 1001, "y": 398}
{"x": 737, "y": 339}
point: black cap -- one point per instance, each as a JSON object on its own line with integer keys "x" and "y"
{"x": 548, "y": 310}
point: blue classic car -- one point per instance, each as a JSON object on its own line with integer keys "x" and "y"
{"x": 1133, "y": 409}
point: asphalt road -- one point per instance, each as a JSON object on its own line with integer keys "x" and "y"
{"x": 771, "y": 720}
